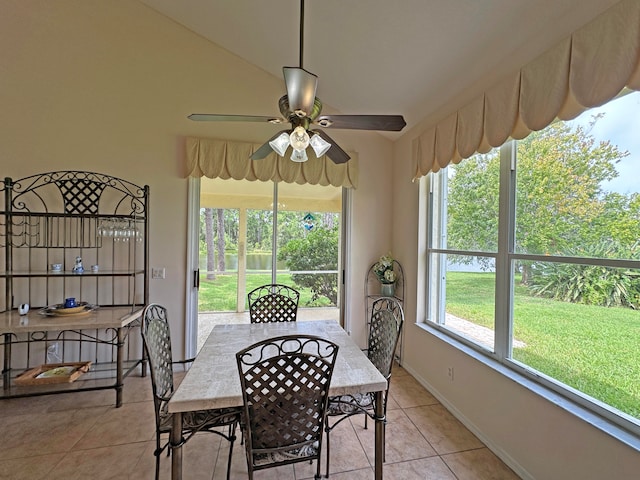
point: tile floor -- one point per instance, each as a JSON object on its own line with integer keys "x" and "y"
{"x": 82, "y": 436}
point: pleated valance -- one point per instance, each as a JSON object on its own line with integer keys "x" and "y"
{"x": 585, "y": 70}
{"x": 212, "y": 158}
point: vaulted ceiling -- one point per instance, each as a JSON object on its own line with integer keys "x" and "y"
{"x": 408, "y": 57}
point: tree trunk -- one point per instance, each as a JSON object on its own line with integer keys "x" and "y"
{"x": 329, "y": 220}
{"x": 221, "y": 240}
{"x": 208, "y": 237}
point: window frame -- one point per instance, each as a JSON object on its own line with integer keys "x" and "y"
{"x": 434, "y": 188}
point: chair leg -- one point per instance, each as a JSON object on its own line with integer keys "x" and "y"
{"x": 326, "y": 431}
{"x": 384, "y": 441}
{"x": 157, "y": 455}
{"x": 232, "y": 438}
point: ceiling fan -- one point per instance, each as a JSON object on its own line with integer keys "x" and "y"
{"x": 302, "y": 109}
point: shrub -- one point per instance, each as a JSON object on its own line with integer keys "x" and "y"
{"x": 317, "y": 250}
{"x": 589, "y": 284}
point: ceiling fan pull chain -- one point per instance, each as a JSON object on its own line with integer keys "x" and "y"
{"x": 301, "y": 30}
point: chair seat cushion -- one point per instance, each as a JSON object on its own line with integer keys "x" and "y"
{"x": 201, "y": 419}
{"x": 349, "y": 404}
{"x": 260, "y": 459}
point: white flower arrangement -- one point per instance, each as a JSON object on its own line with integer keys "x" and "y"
{"x": 383, "y": 269}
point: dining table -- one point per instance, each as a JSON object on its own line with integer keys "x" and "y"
{"x": 213, "y": 380}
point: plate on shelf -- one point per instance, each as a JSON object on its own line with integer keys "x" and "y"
{"x": 64, "y": 371}
{"x": 59, "y": 310}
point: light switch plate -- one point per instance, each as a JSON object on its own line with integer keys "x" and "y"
{"x": 158, "y": 272}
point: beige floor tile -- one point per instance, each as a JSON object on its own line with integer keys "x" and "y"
{"x": 40, "y": 434}
{"x": 346, "y": 453}
{"x": 407, "y": 392}
{"x": 29, "y": 468}
{"x": 403, "y": 440}
{"x": 426, "y": 468}
{"x": 106, "y": 463}
{"x": 398, "y": 371}
{"x": 479, "y": 464}
{"x": 442, "y": 430}
{"x": 133, "y": 422}
{"x": 22, "y": 406}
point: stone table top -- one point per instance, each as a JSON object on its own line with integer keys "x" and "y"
{"x": 213, "y": 380}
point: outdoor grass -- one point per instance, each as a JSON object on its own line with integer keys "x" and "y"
{"x": 590, "y": 348}
{"x": 219, "y": 295}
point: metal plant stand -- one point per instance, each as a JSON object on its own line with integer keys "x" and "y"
{"x": 373, "y": 290}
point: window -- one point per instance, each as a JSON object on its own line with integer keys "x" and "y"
{"x": 534, "y": 257}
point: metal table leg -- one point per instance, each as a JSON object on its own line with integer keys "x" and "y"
{"x": 379, "y": 449}
{"x": 175, "y": 440}
{"x": 6, "y": 367}
{"x": 119, "y": 367}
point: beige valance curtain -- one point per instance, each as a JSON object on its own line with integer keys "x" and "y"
{"x": 212, "y": 158}
{"x": 585, "y": 70}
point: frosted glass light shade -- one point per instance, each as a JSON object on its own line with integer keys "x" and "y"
{"x": 299, "y": 138}
{"x": 319, "y": 145}
{"x": 299, "y": 156}
{"x": 280, "y": 144}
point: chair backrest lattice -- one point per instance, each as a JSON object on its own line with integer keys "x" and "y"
{"x": 387, "y": 318}
{"x": 285, "y": 387}
{"x": 157, "y": 343}
{"x": 273, "y": 303}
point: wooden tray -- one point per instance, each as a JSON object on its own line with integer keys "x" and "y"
{"x": 69, "y": 372}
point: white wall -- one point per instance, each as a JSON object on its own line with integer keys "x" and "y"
{"x": 106, "y": 87}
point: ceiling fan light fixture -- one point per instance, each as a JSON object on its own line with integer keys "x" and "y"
{"x": 299, "y": 138}
{"x": 320, "y": 145}
{"x": 280, "y": 144}
{"x": 299, "y": 156}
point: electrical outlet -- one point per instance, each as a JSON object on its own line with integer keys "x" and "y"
{"x": 450, "y": 373}
{"x": 158, "y": 272}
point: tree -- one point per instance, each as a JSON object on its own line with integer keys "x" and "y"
{"x": 208, "y": 229}
{"x": 559, "y": 198}
{"x": 317, "y": 250}
{"x": 220, "y": 238}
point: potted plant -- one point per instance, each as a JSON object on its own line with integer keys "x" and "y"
{"x": 383, "y": 269}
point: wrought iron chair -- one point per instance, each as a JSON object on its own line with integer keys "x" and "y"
{"x": 273, "y": 303}
{"x": 285, "y": 388}
{"x": 387, "y": 318}
{"x": 157, "y": 343}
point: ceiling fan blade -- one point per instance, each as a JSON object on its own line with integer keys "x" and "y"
{"x": 301, "y": 89}
{"x": 389, "y": 123}
{"x": 214, "y": 117}
{"x": 265, "y": 149}
{"x": 335, "y": 153}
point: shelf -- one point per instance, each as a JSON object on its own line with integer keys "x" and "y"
{"x": 101, "y": 376}
{"x": 67, "y": 274}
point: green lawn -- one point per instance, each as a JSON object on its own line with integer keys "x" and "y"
{"x": 219, "y": 295}
{"x": 593, "y": 349}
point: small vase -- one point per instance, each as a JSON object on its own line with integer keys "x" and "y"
{"x": 387, "y": 289}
